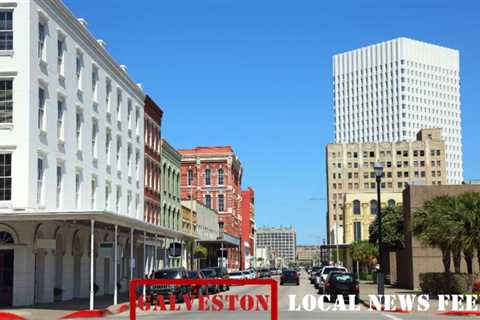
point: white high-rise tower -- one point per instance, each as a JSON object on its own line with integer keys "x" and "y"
{"x": 391, "y": 90}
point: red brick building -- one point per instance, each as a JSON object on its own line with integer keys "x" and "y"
{"x": 213, "y": 176}
{"x": 153, "y": 138}
{"x": 248, "y": 228}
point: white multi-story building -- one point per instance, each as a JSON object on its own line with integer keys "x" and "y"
{"x": 281, "y": 242}
{"x": 389, "y": 91}
{"x": 71, "y": 161}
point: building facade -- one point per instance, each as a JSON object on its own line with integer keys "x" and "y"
{"x": 350, "y": 170}
{"x": 281, "y": 242}
{"x": 71, "y": 158}
{"x": 360, "y": 210}
{"x": 171, "y": 217}
{"x": 153, "y": 164}
{"x": 388, "y": 91}
{"x": 308, "y": 255}
{"x": 213, "y": 176}
{"x": 248, "y": 228}
{"x": 206, "y": 220}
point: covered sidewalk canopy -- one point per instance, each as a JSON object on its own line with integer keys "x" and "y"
{"x": 221, "y": 245}
{"x": 105, "y": 220}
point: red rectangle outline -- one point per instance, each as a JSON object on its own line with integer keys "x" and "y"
{"x": 229, "y": 282}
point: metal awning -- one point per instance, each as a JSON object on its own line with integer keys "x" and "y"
{"x": 104, "y": 217}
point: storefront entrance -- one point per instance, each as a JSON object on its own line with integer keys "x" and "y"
{"x": 6, "y": 277}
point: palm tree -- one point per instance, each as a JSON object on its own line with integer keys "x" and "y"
{"x": 364, "y": 252}
{"x": 469, "y": 216}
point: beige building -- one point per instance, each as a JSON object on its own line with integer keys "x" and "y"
{"x": 360, "y": 209}
{"x": 350, "y": 169}
{"x": 308, "y": 255}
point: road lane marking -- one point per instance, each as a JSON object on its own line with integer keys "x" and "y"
{"x": 391, "y": 317}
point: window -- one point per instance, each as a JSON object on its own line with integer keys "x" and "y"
{"x": 108, "y": 146}
{"x": 119, "y": 153}
{"x": 6, "y": 100}
{"x": 60, "y": 116}
{"x": 130, "y": 159}
{"x": 357, "y": 228}
{"x": 79, "y": 122}
{"x": 129, "y": 114}
{"x": 190, "y": 177}
{"x": 40, "y": 177}
{"x": 78, "y": 187}
{"x": 108, "y": 191}
{"x": 356, "y": 207}
{"x": 208, "y": 201}
{"x": 391, "y": 203}
{"x": 137, "y": 121}
{"x": 129, "y": 202}
{"x": 373, "y": 207}
{"x": 5, "y": 177}
{"x": 119, "y": 105}
{"x": 220, "y": 177}
{"x": 207, "y": 177}
{"x": 108, "y": 93}
{"x": 60, "y": 54}
{"x": 6, "y": 30}
{"x": 59, "y": 185}
{"x": 94, "y": 82}
{"x": 137, "y": 166}
{"x": 93, "y": 197}
{"x": 79, "y": 69}
{"x": 94, "y": 138}
{"x": 41, "y": 108}
{"x": 119, "y": 196}
{"x": 42, "y": 33}
{"x": 221, "y": 203}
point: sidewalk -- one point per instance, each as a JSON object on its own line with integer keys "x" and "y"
{"x": 57, "y": 310}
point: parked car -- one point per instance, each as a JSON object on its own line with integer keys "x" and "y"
{"x": 248, "y": 274}
{"x": 167, "y": 290}
{"x": 198, "y": 290}
{"x": 264, "y": 273}
{"x": 211, "y": 274}
{"x": 221, "y": 273}
{"x": 341, "y": 283}
{"x": 289, "y": 276}
{"x": 313, "y": 272}
{"x": 322, "y": 276}
{"x": 236, "y": 275}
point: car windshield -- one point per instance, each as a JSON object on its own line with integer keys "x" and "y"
{"x": 328, "y": 270}
{"x": 290, "y": 273}
{"x": 343, "y": 277}
{"x": 167, "y": 274}
{"x": 209, "y": 273}
{"x": 236, "y": 274}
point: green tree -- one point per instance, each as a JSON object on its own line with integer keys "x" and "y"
{"x": 365, "y": 253}
{"x": 393, "y": 237}
{"x": 469, "y": 217}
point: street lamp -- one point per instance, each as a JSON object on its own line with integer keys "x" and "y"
{"x": 378, "y": 169}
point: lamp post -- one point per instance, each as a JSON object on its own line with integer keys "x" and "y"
{"x": 378, "y": 169}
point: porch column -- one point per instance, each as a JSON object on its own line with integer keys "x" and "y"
{"x": 115, "y": 275}
{"x": 131, "y": 254}
{"x": 92, "y": 258}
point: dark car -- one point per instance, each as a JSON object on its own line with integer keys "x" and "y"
{"x": 222, "y": 273}
{"x": 289, "y": 276}
{"x": 265, "y": 273}
{"x": 341, "y": 283}
{"x": 198, "y": 290}
{"x": 167, "y": 290}
{"x": 210, "y": 273}
{"x": 313, "y": 272}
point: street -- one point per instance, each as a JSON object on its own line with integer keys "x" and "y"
{"x": 305, "y": 288}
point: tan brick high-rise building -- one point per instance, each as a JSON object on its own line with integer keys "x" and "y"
{"x": 213, "y": 176}
{"x": 350, "y": 169}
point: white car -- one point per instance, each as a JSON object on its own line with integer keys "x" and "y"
{"x": 322, "y": 276}
{"x": 238, "y": 275}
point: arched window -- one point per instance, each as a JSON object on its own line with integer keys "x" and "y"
{"x": 391, "y": 203}
{"x": 373, "y": 207}
{"x": 6, "y": 238}
{"x": 356, "y": 207}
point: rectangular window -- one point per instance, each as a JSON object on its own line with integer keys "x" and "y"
{"x": 221, "y": 203}
{"x": 129, "y": 202}
{"x": 207, "y": 177}
{"x": 119, "y": 196}
{"x": 79, "y": 122}
{"x": 357, "y": 231}
{"x": 108, "y": 146}
{"x": 79, "y": 69}
{"x": 60, "y": 54}
{"x": 40, "y": 177}
{"x": 108, "y": 94}
{"x": 41, "y": 108}
{"x": 221, "y": 177}
{"x": 208, "y": 201}
{"x": 42, "y": 33}
{"x": 93, "y": 197}
{"x": 59, "y": 185}
{"x": 108, "y": 190}
{"x": 119, "y": 105}
{"x": 94, "y": 82}
{"x": 78, "y": 187}
{"x": 119, "y": 153}
{"x": 94, "y": 138}
{"x": 60, "y": 116}
{"x": 129, "y": 114}
{"x": 5, "y": 177}
{"x": 190, "y": 177}
{"x": 6, "y": 100}
{"x": 6, "y": 30}
{"x": 130, "y": 159}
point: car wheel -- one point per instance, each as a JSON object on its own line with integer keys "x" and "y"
{"x": 298, "y": 283}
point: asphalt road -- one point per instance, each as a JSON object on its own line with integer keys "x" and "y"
{"x": 284, "y": 291}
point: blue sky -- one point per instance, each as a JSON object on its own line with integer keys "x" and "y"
{"x": 257, "y": 75}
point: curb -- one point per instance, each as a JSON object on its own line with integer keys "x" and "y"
{"x": 382, "y": 309}
{"x": 87, "y": 314}
{"x": 10, "y": 316}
